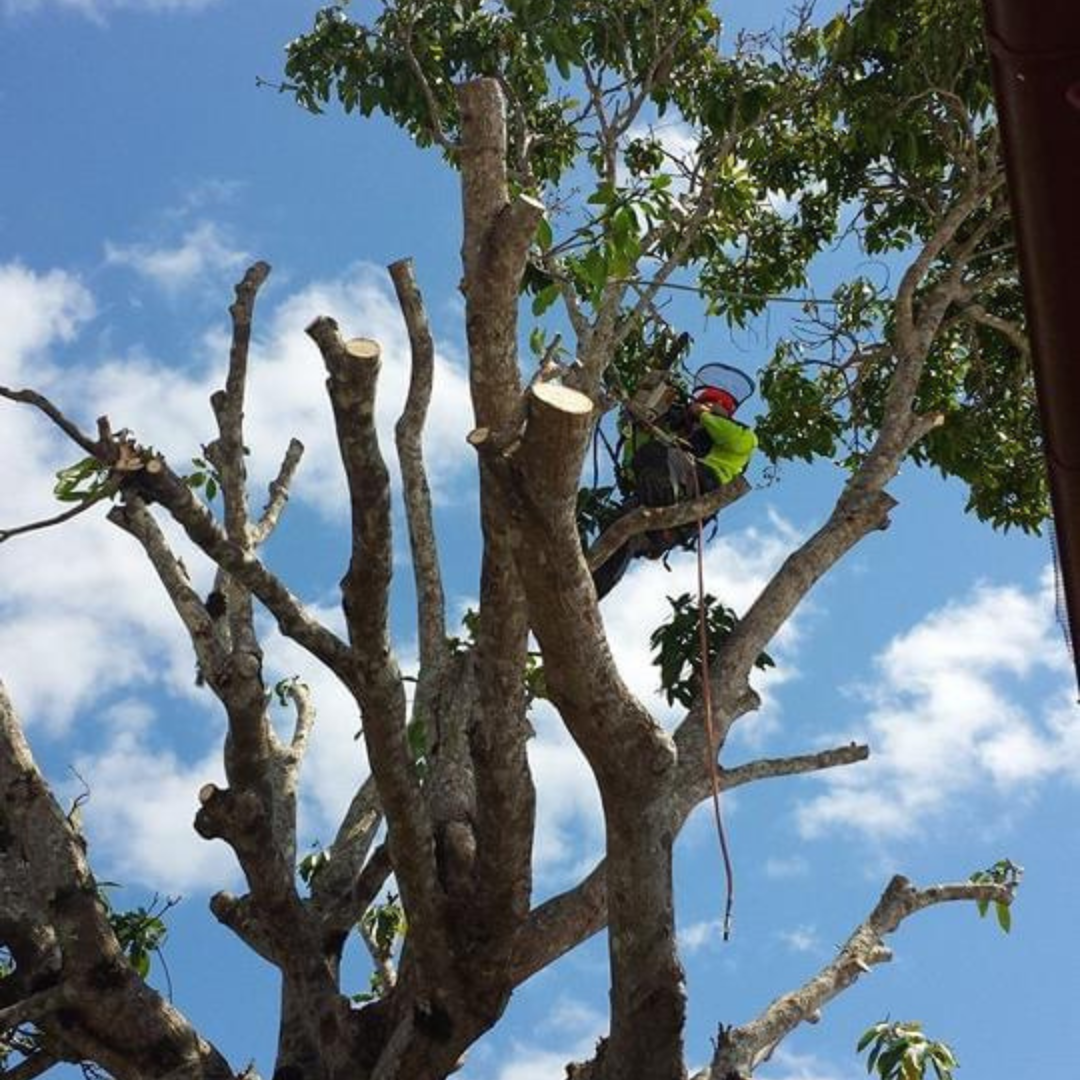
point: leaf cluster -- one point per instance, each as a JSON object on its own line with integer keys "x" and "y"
{"x": 140, "y": 932}
{"x": 81, "y": 482}
{"x": 406, "y": 63}
{"x": 677, "y": 645}
{"x": 1003, "y": 872}
{"x": 909, "y": 86}
{"x": 204, "y": 478}
{"x": 312, "y": 863}
{"x": 901, "y": 1051}
{"x": 384, "y": 926}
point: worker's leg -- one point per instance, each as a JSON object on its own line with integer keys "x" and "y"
{"x": 652, "y": 476}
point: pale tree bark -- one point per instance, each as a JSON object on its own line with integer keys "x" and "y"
{"x": 71, "y": 981}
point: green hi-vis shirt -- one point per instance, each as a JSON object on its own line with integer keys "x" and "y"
{"x": 732, "y": 446}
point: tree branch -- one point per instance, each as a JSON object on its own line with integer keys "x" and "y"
{"x": 505, "y": 798}
{"x": 563, "y": 922}
{"x": 31, "y": 1067}
{"x": 630, "y": 755}
{"x": 741, "y": 1049}
{"x": 48, "y": 895}
{"x": 164, "y": 486}
{"x": 353, "y": 368}
{"x": 43, "y": 404}
{"x": 107, "y": 491}
{"x": 133, "y": 517}
{"x": 32, "y": 1009}
{"x": 431, "y": 613}
{"x": 646, "y": 518}
{"x": 278, "y": 493}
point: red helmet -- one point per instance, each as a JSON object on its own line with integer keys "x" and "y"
{"x": 713, "y": 395}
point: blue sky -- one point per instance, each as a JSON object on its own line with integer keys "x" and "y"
{"x": 141, "y": 170}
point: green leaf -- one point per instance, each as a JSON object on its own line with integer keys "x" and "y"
{"x": 868, "y": 1036}
{"x": 1004, "y": 916}
{"x": 544, "y": 299}
{"x": 544, "y": 236}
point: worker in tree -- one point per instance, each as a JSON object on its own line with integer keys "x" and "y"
{"x": 692, "y": 448}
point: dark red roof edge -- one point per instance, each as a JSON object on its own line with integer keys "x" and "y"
{"x": 1035, "y": 56}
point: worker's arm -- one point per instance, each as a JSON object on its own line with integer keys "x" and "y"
{"x": 729, "y": 435}
{"x": 733, "y": 445}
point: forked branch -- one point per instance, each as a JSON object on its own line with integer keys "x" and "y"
{"x": 741, "y": 1049}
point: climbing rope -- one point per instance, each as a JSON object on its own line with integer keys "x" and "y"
{"x": 711, "y": 749}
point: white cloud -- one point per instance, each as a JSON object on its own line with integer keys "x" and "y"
{"x": 699, "y": 936}
{"x": 737, "y": 567}
{"x": 83, "y": 619}
{"x": 788, "y": 1065}
{"x": 569, "y": 817}
{"x": 71, "y": 600}
{"x": 139, "y": 815}
{"x": 37, "y": 311}
{"x": 287, "y": 394}
{"x": 572, "y": 1023}
{"x": 800, "y": 939}
{"x": 569, "y": 1017}
{"x": 97, "y": 9}
{"x": 782, "y": 869}
{"x": 203, "y": 256}
{"x": 948, "y": 715}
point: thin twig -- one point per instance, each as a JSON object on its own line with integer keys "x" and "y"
{"x": 43, "y": 404}
{"x": 107, "y": 490}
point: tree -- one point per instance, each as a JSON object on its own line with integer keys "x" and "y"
{"x": 528, "y": 101}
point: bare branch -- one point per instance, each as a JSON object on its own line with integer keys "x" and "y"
{"x": 133, "y": 517}
{"x": 435, "y": 126}
{"x": 227, "y": 453}
{"x": 741, "y": 1049}
{"x": 300, "y": 696}
{"x": 646, "y": 518}
{"x": 353, "y": 368}
{"x": 31, "y": 1067}
{"x": 691, "y": 795}
{"x": 121, "y": 1023}
{"x": 30, "y": 1010}
{"x": 164, "y": 486}
{"x": 108, "y": 489}
{"x": 43, "y": 404}
{"x": 239, "y": 915}
{"x": 631, "y": 756}
{"x": 1008, "y": 329}
{"x": 429, "y": 591}
{"x": 278, "y": 492}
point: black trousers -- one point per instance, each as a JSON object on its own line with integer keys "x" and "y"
{"x": 660, "y": 479}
